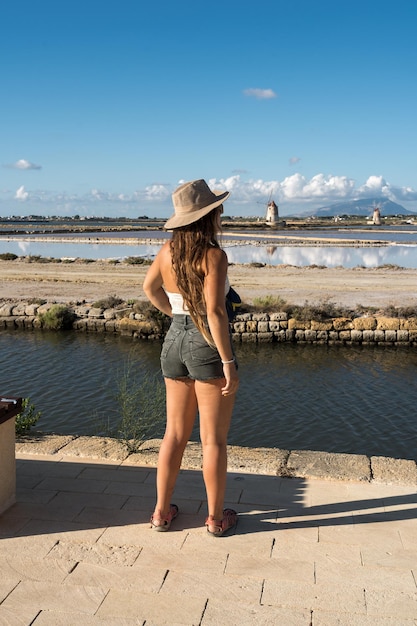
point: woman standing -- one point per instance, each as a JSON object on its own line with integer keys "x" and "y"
{"x": 188, "y": 281}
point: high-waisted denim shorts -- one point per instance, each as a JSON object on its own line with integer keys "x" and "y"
{"x": 186, "y": 354}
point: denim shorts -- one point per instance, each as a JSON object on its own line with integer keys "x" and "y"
{"x": 186, "y": 354}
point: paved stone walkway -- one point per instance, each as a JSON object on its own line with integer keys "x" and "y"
{"x": 76, "y": 548}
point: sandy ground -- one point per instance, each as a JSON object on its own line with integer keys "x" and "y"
{"x": 77, "y": 282}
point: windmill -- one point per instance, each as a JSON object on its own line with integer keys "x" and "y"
{"x": 272, "y": 215}
{"x": 376, "y": 215}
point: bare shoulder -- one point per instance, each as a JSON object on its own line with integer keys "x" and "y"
{"x": 165, "y": 249}
{"x": 216, "y": 257}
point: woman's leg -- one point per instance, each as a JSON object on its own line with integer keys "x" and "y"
{"x": 215, "y": 414}
{"x": 181, "y": 406}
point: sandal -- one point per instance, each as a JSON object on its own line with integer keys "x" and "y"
{"x": 162, "y": 524}
{"x": 217, "y": 527}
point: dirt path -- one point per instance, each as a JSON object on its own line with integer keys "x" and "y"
{"x": 72, "y": 282}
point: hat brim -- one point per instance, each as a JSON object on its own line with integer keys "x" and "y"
{"x": 177, "y": 221}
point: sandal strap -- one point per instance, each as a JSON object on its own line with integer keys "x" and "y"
{"x": 221, "y": 525}
{"x": 166, "y": 519}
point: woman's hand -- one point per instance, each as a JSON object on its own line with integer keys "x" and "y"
{"x": 232, "y": 379}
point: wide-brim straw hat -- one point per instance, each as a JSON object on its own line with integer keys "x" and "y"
{"x": 192, "y": 201}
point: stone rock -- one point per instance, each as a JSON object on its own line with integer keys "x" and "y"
{"x": 96, "y": 448}
{"x": 309, "y": 464}
{"x": 388, "y": 323}
{"x": 321, "y": 325}
{"x": 342, "y": 323}
{"x": 19, "y": 309}
{"x": 42, "y": 443}
{"x": 6, "y": 310}
{"x": 364, "y": 323}
{"x": 393, "y": 471}
{"x": 270, "y": 461}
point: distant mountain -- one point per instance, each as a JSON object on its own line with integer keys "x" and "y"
{"x": 361, "y": 207}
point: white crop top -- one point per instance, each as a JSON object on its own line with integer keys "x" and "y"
{"x": 178, "y": 305}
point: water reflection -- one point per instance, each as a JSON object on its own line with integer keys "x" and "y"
{"x": 330, "y": 256}
{"x": 336, "y": 399}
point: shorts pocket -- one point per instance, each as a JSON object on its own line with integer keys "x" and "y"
{"x": 201, "y": 351}
{"x": 170, "y": 339}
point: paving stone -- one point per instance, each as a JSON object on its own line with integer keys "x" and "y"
{"x": 408, "y": 536}
{"x": 55, "y": 530}
{"x": 366, "y": 535}
{"x": 108, "y": 517}
{"x": 34, "y": 495}
{"x": 145, "y": 578}
{"x": 324, "y": 618}
{"x": 55, "y": 618}
{"x": 223, "y": 587}
{"x": 23, "y": 568}
{"x": 298, "y": 539}
{"x": 329, "y": 597}
{"x": 77, "y": 499}
{"x": 324, "y": 553}
{"x": 401, "y": 579}
{"x": 170, "y": 558}
{"x": 391, "y": 603}
{"x": 30, "y": 546}
{"x": 77, "y": 485}
{"x": 389, "y": 558}
{"x": 98, "y": 553}
{"x": 117, "y": 474}
{"x": 22, "y": 617}
{"x": 154, "y": 608}
{"x": 248, "y": 614}
{"x": 7, "y": 584}
{"x": 45, "y": 595}
{"x": 254, "y": 544}
{"x": 272, "y": 569}
{"x": 141, "y": 535}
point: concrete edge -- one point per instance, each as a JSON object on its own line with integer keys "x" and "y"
{"x": 262, "y": 461}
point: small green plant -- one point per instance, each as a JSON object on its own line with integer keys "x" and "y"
{"x": 27, "y": 418}
{"x": 140, "y": 401}
{"x": 137, "y": 260}
{"x": 265, "y": 304}
{"x": 325, "y": 309}
{"x": 8, "y": 256}
{"x": 152, "y": 314}
{"x": 405, "y": 312}
{"x": 58, "y": 317}
{"x": 111, "y": 302}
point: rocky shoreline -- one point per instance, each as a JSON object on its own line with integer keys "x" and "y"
{"x": 269, "y": 461}
{"x": 274, "y": 327}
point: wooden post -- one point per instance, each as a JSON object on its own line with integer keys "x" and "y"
{"x": 9, "y": 408}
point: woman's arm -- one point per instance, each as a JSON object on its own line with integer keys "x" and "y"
{"x": 152, "y": 285}
{"x": 214, "y": 284}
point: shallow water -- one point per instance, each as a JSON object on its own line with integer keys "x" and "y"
{"x": 332, "y": 398}
{"x": 399, "y": 246}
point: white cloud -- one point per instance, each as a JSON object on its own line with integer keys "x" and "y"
{"x": 23, "y": 164}
{"x": 260, "y": 94}
{"x": 21, "y": 194}
{"x": 157, "y": 192}
{"x": 295, "y": 192}
{"x": 294, "y": 160}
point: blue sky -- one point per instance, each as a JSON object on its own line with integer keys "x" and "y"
{"x": 107, "y": 106}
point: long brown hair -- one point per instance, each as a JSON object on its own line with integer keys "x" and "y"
{"x": 189, "y": 246}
